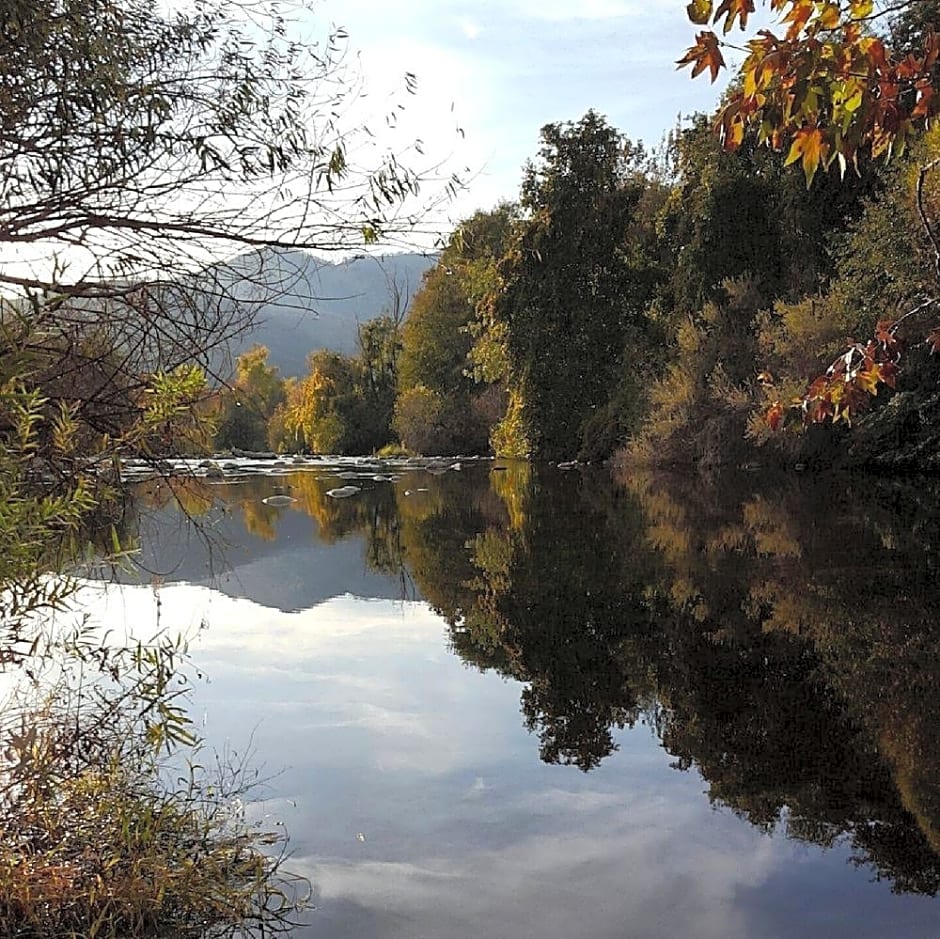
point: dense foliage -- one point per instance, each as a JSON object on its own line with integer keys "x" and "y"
{"x": 687, "y": 304}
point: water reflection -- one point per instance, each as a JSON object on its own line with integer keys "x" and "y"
{"x": 779, "y": 636}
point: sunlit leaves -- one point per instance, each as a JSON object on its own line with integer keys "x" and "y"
{"x": 823, "y": 83}
{"x": 699, "y": 11}
{"x": 734, "y": 10}
{"x": 809, "y": 148}
{"x": 705, "y": 54}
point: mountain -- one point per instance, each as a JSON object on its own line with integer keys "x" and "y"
{"x": 299, "y": 302}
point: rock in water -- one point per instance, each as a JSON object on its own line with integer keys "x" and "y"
{"x": 279, "y": 500}
{"x": 343, "y": 492}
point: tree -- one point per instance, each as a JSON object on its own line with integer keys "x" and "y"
{"x": 123, "y": 127}
{"x": 249, "y": 404}
{"x": 574, "y": 285}
{"x": 744, "y": 214}
{"x": 437, "y": 337}
{"x": 312, "y": 415}
{"x": 419, "y": 421}
{"x": 746, "y": 236}
{"x": 379, "y": 343}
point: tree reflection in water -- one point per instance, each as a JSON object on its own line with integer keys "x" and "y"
{"x": 780, "y": 635}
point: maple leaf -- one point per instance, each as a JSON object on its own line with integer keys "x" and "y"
{"x": 808, "y": 146}
{"x": 924, "y": 97}
{"x": 889, "y": 372}
{"x": 854, "y": 400}
{"x": 884, "y": 334}
{"x": 706, "y": 53}
{"x": 699, "y": 11}
{"x": 867, "y": 379}
{"x": 798, "y": 17}
{"x": 933, "y": 340}
{"x": 818, "y": 389}
{"x": 733, "y": 10}
{"x": 830, "y": 16}
{"x": 817, "y": 411}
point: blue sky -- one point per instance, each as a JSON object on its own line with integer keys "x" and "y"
{"x": 501, "y": 70}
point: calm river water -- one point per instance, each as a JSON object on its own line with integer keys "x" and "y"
{"x": 506, "y": 701}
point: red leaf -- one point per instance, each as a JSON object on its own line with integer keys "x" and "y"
{"x": 774, "y": 415}
{"x": 884, "y": 335}
{"x": 817, "y": 410}
{"x": 889, "y": 373}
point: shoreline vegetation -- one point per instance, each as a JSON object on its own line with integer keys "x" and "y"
{"x": 117, "y": 822}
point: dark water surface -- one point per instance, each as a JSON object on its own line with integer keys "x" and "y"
{"x": 518, "y": 702}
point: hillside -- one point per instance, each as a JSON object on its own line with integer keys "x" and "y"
{"x": 300, "y": 303}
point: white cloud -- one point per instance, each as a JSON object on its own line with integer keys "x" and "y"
{"x": 631, "y": 868}
{"x": 373, "y": 677}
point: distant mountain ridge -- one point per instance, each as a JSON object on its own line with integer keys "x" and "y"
{"x": 300, "y": 303}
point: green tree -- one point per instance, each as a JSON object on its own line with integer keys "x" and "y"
{"x": 746, "y": 235}
{"x": 370, "y": 409}
{"x": 575, "y": 284}
{"x": 419, "y": 421}
{"x": 745, "y": 215}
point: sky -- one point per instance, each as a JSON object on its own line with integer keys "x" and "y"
{"x": 501, "y": 69}
{"x": 489, "y": 74}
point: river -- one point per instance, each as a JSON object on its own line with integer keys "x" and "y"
{"x": 511, "y": 701}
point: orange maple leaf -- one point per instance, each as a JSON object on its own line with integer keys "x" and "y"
{"x": 884, "y": 334}
{"x": 706, "y": 53}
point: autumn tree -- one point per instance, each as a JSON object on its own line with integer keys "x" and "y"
{"x": 249, "y": 403}
{"x": 310, "y": 417}
{"x": 441, "y": 406}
